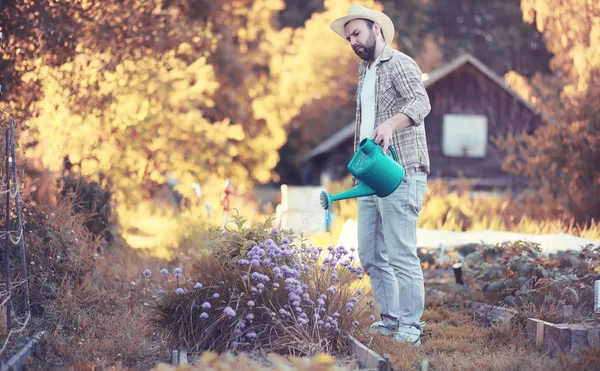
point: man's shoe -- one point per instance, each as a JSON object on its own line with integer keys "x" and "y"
{"x": 379, "y": 328}
{"x": 409, "y": 333}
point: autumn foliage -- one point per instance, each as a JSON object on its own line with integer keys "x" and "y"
{"x": 130, "y": 93}
{"x": 563, "y": 157}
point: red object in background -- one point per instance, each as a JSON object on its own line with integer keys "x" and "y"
{"x": 226, "y": 203}
{"x": 225, "y": 198}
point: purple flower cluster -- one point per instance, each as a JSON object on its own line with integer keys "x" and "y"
{"x": 243, "y": 333}
{"x": 331, "y": 323}
{"x": 270, "y": 254}
{"x": 205, "y": 307}
{"x": 164, "y": 272}
{"x": 277, "y": 264}
{"x": 336, "y": 256}
{"x": 229, "y": 311}
{"x": 177, "y": 272}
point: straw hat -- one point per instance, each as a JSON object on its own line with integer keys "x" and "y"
{"x": 360, "y": 12}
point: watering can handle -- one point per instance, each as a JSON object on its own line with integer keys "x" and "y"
{"x": 392, "y": 152}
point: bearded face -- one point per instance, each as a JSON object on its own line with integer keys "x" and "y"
{"x": 366, "y": 51}
{"x": 362, "y": 38}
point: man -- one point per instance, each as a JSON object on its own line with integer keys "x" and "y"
{"x": 391, "y": 107}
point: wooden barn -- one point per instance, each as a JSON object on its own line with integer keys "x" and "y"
{"x": 470, "y": 106}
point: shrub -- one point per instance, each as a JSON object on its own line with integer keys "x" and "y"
{"x": 257, "y": 286}
{"x": 61, "y": 255}
{"x": 63, "y": 243}
{"x": 91, "y": 199}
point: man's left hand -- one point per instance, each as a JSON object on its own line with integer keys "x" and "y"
{"x": 382, "y": 135}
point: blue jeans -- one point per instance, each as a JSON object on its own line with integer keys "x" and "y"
{"x": 387, "y": 249}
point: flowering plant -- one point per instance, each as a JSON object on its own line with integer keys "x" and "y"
{"x": 259, "y": 286}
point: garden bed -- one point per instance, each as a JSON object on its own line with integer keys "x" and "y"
{"x": 554, "y": 338}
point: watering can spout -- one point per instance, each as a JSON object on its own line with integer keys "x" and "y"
{"x": 360, "y": 190}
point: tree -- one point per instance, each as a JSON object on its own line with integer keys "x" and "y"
{"x": 563, "y": 156}
{"x": 493, "y": 31}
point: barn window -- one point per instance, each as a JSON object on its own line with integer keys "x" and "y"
{"x": 465, "y": 135}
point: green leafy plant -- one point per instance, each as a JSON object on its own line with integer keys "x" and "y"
{"x": 518, "y": 274}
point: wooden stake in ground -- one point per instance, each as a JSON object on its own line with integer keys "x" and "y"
{"x": 19, "y": 217}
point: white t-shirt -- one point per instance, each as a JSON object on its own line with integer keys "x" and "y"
{"x": 367, "y": 101}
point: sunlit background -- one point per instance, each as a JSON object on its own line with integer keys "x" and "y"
{"x": 151, "y": 97}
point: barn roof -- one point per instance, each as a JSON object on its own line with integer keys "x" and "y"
{"x": 438, "y": 74}
{"x": 429, "y": 79}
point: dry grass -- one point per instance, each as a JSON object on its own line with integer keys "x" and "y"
{"x": 459, "y": 346}
{"x": 86, "y": 295}
{"x": 105, "y": 323}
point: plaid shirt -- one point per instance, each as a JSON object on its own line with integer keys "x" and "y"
{"x": 399, "y": 89}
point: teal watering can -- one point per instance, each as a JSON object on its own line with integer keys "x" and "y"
{"x": 378, "y": 173}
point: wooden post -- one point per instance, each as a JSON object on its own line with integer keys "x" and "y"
{"x": 561, "y": 337}
{"x": 174, "y": 357}
{"x": 491, "y": 314}
{"x": 183, "y": 356}
{"x": 457, "y": 267}
{"x": 579, "y": 339}
{"x": 20, "y": 360}
{"x": 179, "y": 356}
{"x": 567, "y": 313}
{"x": 557, "y": 337}
{"x": 535, "y": 332}
{"x": 593, "y": 337}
